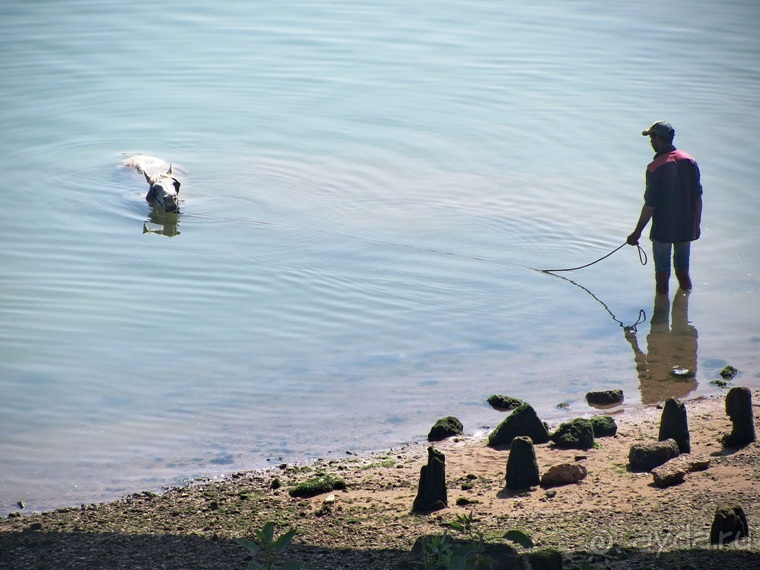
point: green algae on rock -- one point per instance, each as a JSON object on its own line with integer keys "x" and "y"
{"x": 317, "y": 486}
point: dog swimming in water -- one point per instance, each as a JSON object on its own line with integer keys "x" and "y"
{"x": 163, "y": 187}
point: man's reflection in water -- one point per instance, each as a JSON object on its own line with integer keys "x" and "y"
{"x": 669, "y": 366}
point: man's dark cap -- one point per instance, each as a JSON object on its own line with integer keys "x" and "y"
{"x": 661, "y": 129}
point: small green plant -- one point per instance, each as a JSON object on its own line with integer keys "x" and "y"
{"x": 437, "y": 552}
{"x": 464, "y": 525}
{"x": 441, "y": 552}
{"x": 264, "y": 542}
{"x": 468, "y": 555}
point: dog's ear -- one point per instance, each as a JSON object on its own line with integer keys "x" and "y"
{"x": 170, "y": 170}
{"x": 176, "y": 185}
{"x": 146, "y": 176}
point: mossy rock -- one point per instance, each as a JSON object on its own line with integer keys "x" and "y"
{"x": 495, "y": 556}
{"x": 317, "y": 486}
{"x": 604, "y": 426}
{"x": 575, "y": 434}
{"x": 729, "y": 524}
{"x": 504, "y": 403}
{"x": 544, "y": 559}
{"x": 445, "y": 427}
{"x": 523, "y": 421}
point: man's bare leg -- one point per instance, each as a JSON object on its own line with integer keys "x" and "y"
{"x": 661, "y": 280}
{"x": 684, "y": 281}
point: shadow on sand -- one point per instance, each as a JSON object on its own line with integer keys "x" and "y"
{"x": 41, "y": 549}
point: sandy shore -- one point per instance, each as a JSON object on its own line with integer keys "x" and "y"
{"x": 615, "y": 518}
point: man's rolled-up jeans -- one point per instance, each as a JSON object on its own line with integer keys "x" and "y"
{"x": 661, "y": 252}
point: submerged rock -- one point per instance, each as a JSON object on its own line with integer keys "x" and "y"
{"x": 503, "y": 403}
{"x": 605, "y": 397}
{"x": 445, "y": 427}
{"x": 728, "y": 373}
{"x": 523, "y": 421}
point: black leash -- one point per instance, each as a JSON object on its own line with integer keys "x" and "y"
{"x": 642, "y": 259}
{"x": 632, "y": 328}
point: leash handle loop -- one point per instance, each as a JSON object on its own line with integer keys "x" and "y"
{"x": 642, "y": 259}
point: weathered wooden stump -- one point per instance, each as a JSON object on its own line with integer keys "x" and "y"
{"x": 522, "y": 466}
{"x": 431, "y": 493}
{"x": 739, "y": 409}
{"x": 674, "y": 424}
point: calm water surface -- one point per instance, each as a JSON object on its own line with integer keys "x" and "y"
{"x": 366, "y": 191}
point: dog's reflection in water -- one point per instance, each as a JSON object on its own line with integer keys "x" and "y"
{"x": 162, "y": 223}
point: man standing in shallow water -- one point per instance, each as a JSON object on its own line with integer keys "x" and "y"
{"x": 673, "y": 201}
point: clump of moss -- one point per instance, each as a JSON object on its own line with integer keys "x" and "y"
{"x": 317, "y": 486}
{"x": 464, "y": 501}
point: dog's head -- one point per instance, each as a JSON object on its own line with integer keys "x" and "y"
{"x": 164, "y": 189}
